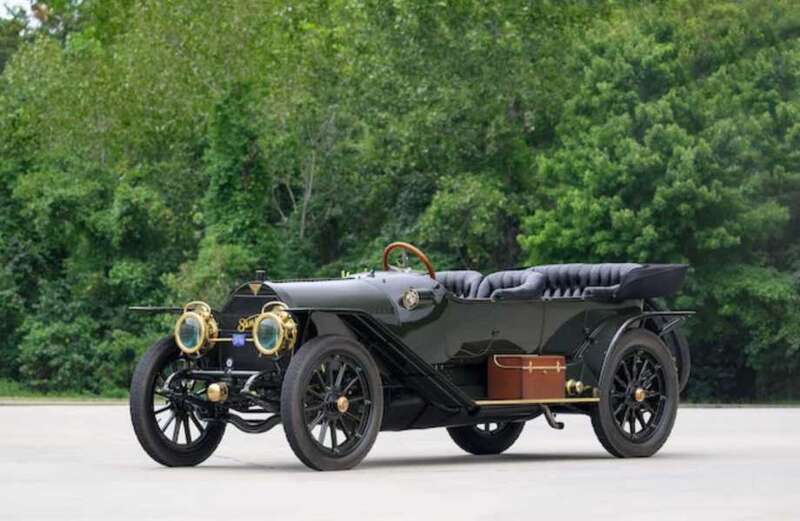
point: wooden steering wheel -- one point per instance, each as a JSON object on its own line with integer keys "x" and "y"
{"x": 406, "y": 247}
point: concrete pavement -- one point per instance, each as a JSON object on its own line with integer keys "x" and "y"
{"x": 83, "y": 462}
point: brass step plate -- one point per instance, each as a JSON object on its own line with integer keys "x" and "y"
{"x": 548, "y": 401}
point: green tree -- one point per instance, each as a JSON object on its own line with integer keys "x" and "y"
{"x": 672, "y": 151}
{"x": 152, "y": 152}
{"x": 469, "y": 216}
{"x": 10, "y": 36}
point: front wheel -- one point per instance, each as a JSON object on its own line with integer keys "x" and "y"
{"x": 638, "y": 396}
{"x": 486, "y": 438}
{"x": 169, "y": 428}
{"x": 331, "y": 403}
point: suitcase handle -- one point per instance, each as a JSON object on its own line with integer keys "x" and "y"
{"x": 530, "y": 367}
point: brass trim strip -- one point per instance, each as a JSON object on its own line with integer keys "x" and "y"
{"x": 530, "y": 367}
{"x": 537, "y": 401}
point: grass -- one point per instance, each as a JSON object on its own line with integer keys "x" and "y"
{"x": 14, "y": 391}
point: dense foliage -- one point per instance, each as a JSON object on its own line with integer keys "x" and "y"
{"x": 151, "y": 151}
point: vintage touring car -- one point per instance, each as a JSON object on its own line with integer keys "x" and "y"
{"x": 336, "y": 361}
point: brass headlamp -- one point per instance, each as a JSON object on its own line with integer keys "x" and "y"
{"x": 196, "y": 330}
{"x": 274, "y": 330}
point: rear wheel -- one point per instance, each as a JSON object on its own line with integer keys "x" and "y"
{"x": 486, "y": 438}
{"x": 169, "y": 428}
{"x": 332, "y": 403}
{"x": 638, "y": 396}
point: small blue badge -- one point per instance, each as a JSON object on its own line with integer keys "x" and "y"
{"x": 238, "y": 340}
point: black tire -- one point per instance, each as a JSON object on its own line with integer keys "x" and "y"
{"x": 322, "y": 371}
{"x": 149, "y": 432}
{"x": 640, "y": 361}
{"x": 483, "y": 439}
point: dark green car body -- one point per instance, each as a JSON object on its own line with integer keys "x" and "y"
{"x": 433, "y": 357}
{"x": 335, "y": 361}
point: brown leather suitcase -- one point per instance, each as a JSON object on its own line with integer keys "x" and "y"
{"x": 526, "y": 377}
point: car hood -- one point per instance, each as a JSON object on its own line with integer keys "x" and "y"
{"x": 333, "y": 294}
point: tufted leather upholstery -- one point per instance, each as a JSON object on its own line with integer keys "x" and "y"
{"x": 514, "y": 284}
{"x": 462, "y": 283}
{"x": 573, "y": 280}
{"x": 614, "y": 281}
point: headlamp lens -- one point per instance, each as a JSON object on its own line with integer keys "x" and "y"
{"x": 190, "y": 332}
{"x": 268, "y": 333}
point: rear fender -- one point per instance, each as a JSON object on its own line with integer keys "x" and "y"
{"x": 662, "y": 323}
{"x": 675, "y": 339}
{"x": 600, "y": 342}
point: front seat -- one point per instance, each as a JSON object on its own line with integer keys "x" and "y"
{"x": 461, "y": 283}
{"x": 512, "y": 285}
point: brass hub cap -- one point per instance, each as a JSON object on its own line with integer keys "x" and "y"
{"x": 639, "y": 394}
{"x": 217, "y": 392}
{"x": 342, "y": 404}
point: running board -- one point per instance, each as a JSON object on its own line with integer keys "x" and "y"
{"x": 548, "y": 401}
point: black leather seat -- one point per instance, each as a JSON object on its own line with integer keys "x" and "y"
{"x": 581, "y": 280}
{"x": 513, "y": 284}
{"x": 462, "y": 283}
{"x": 608, "y": 281}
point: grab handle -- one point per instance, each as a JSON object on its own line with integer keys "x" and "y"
{"x": 530, "y": 367}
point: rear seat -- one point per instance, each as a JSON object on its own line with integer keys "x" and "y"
{"x": 572, "y": 280}
{"x": 611, "y": 281}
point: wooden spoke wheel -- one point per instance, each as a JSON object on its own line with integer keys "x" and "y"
{"x": 332, "y": 403}
{"x": 638, "y": 396}
{"x": 168, "y": 426}
{"x": 178, "y": 422}
{"x": 337, "y": 404}
{"x": 486, "y": 438}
